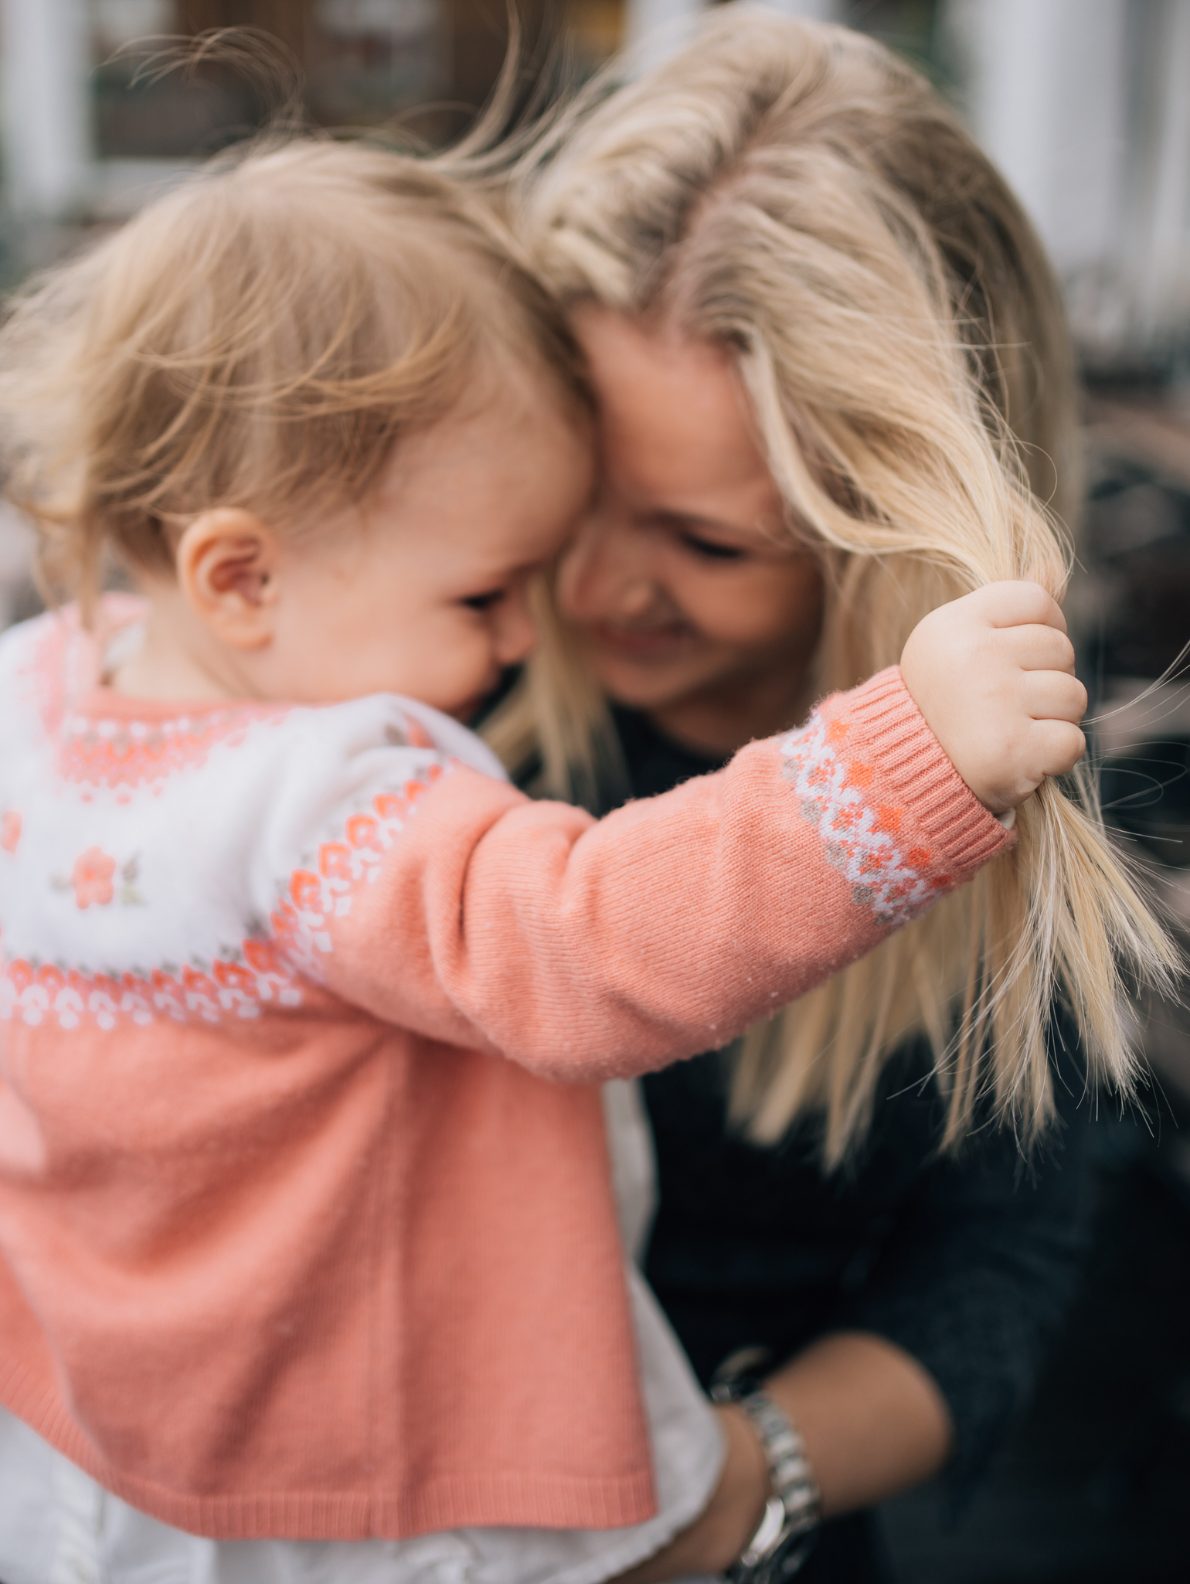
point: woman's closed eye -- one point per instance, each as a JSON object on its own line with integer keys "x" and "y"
{"x": 691, "y": 534}
{"x": 710, "y": 549}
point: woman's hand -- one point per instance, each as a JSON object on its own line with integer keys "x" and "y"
{"x": 993, "y": 674}
{"x": 717, "y": 1537}
{"x": 873, "y": 1422}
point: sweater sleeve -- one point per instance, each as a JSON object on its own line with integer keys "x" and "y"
{"x": 449, "y": 904}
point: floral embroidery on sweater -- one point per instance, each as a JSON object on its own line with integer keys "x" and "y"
{"x": 321, "y": 889}
{"x": 133, "y": 754}
{"x": 266, "y": 969}
{"x": 131, "y": 758}
{"x": 93, "y": 880}
{"x": 236, "y": 985}
{"x": 859, "y": 838}
{"x": 116, "y": 754}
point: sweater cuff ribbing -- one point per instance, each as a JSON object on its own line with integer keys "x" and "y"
{"x": 886, "y": 725}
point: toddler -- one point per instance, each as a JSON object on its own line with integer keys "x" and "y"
{"x": 307, "y": 1269}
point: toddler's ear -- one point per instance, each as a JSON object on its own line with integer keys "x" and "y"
{"x": 227, "y": 562}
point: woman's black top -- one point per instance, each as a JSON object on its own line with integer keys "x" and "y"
{"x": 966, "y": 1263}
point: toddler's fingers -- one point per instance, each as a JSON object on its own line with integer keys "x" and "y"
{"x": 1053, "y": 695}
{"x": 1018, "y": 603}
{"x": 1056, "y": 746}
{"x": 1035, "y": 647}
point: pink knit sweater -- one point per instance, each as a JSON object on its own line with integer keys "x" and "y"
{"x": 296, "y": 1238}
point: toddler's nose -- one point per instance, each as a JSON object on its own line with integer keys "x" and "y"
{"x": 516, "y": 631}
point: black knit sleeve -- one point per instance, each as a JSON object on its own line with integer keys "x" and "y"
{"x": 979, "y": 1268}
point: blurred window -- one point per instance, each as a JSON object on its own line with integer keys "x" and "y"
{"x": 361, "y": 63}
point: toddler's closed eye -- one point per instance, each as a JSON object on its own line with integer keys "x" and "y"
{"x": 484, "y": 601}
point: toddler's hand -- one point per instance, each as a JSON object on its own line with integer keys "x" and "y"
{"x": 993, "y": 674}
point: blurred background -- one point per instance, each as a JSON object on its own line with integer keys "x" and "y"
{"x": 1085, "y": 104}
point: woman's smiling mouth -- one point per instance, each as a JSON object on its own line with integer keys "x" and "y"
{"x": 657, "y": 642}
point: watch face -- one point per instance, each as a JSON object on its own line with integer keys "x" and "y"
{"x": 784, "y": 1562}
{"x": 790, "y": 1559}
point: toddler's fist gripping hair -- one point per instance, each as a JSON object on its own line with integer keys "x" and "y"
{"x": 993, "y": 674}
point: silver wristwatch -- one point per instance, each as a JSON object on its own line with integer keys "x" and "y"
{"x": 788, "y": 1526}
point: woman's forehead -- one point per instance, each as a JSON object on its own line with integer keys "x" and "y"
{"x": 674, "y": 416}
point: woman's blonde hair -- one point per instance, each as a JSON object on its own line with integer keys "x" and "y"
{"x": 262, "y": 336}
{"x": 796, "y": 193}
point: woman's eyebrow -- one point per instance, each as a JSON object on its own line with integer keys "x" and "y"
{"x": 675, "y": 518}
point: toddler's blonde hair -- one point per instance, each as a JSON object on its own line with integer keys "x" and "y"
{"x": 261, "y": 336}
{"x": 796, "y": 193}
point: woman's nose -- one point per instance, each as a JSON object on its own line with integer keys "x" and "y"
{"x": 605, "y": 574}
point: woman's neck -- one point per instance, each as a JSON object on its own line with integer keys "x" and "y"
{"x": 719, "y": 720}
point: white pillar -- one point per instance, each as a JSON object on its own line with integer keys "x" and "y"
{"x": 46, "y": 124}
{"x": 1047, "y": 100}
{"x": 813, "y": 10}
{"x": 655, "y": 28}
{"x": 1160, "y": 251}
{"x": 1083, "y": 105}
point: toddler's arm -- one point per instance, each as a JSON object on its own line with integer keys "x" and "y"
{"x": 586, "y": 949}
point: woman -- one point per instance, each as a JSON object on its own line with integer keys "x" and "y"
{"x": 834, "y": 388}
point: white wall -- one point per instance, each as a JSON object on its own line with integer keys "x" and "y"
{"x": 654, "y": 27}
{"x": 45, "y": 121}
{"x": 1085, "y": 106}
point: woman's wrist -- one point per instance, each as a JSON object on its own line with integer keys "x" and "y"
{"x": 739, "y": 1501}
{"x": 717, "y": 1537}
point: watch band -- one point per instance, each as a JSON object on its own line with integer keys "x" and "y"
{"x": 788, "y": 1526}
